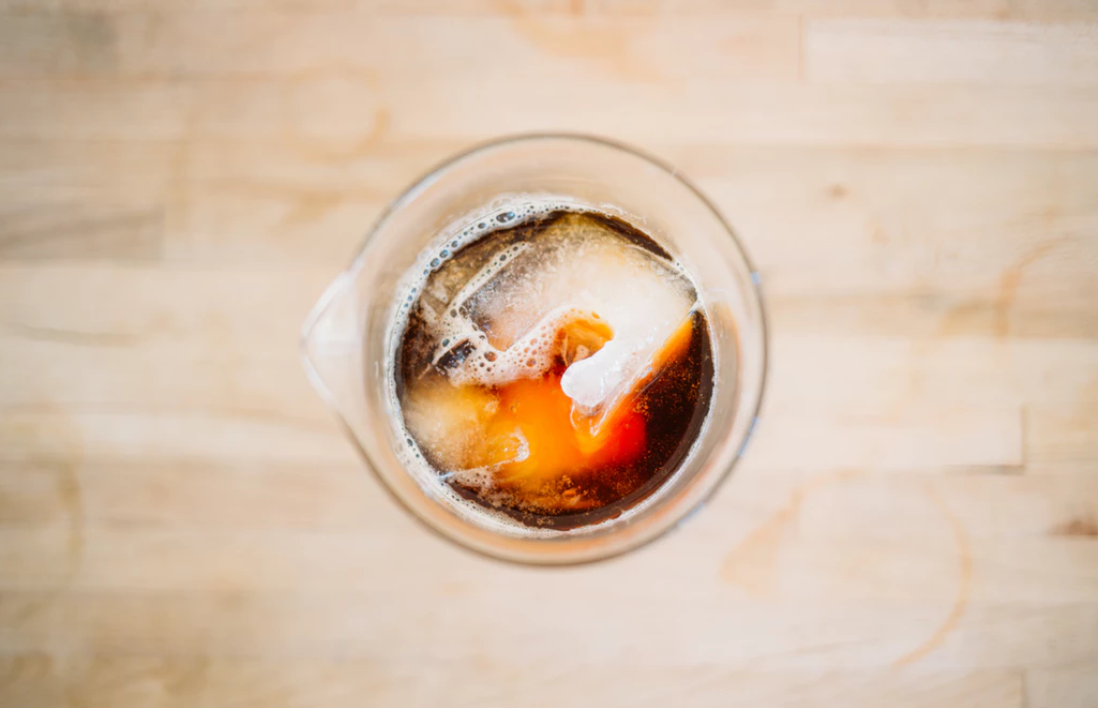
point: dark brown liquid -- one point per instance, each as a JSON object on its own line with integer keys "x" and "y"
{"x": 662, "y": 417}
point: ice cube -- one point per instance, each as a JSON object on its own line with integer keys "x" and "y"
{"x": 452, "y": 426}
{"x": 510, "y": 315}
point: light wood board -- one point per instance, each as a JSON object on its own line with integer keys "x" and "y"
{"x": 182, "y": 522}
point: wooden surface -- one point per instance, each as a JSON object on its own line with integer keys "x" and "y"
{"x": 182, "y": 522}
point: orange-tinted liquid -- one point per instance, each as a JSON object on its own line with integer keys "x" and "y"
{"x": 574, "y": 470}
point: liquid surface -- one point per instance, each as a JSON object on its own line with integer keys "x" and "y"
{"x": 557, "y": 370}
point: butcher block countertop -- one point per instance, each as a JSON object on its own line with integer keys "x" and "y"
{"x": 184, "y": 524}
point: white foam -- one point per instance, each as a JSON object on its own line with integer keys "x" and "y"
{"x": 529, "y": 357}
{"x": 529, "y": 292}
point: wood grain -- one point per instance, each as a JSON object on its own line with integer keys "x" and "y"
{"x": 40, "y": 680}
{"x": 183, "y": 522}
{"x": 983, "y": 52}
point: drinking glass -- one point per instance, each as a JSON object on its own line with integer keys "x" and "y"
{"x": 348, "y": 338}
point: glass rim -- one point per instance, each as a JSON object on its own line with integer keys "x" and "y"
{"x": 409, "y": 194}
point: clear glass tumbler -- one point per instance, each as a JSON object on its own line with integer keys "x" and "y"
{"x": 347, "y": 339}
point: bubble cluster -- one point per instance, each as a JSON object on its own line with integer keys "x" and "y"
{"x": 487, "y": 365}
